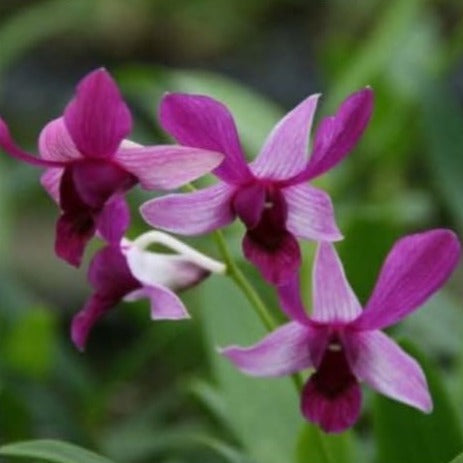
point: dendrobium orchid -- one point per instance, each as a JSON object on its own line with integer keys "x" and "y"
{"x": 90, "y": 165}
{"x": 342, "y": 342}
{"x": 130, "y": 272}
{"x": 270, "y": 195}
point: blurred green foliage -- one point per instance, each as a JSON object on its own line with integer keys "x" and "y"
{"x": 159, "y": 392}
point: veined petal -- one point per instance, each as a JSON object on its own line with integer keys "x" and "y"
{"x": 310, "y": 213}
{"x": 191, "y": 213}
{"x": 381, "y": 363}
{"x": 166, "y": 167}
{"x": 337, "y": 135}
{"x": 289, "y": 295}
{"x": 51, "y": 180}
{"x": 282, "y": 352}
{"x": 114, "y": 219}
{"x": 285, "y": 151}
{"x": 202, "y": 122}
{"x": 165, "y": 305}
{"x": 416, "y": 267}
{"x": 56, "y": 144}
{"x": 97, "y": 118}
{"x": 333, "y": 298}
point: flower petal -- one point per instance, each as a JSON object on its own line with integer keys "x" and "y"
{"x": 191, "y": 213}
{"x": 333, "y": 298}
{"x": 166, "y": 167}
{"x": 114, "y": 219}
{"x": 337, "y": 135}
{"x": 310, "y": 214}
{"x": 277, "y": 265}
{"x": 333, "y": 414}
{"x": 202, "y": 122}
{"x": 380, "y": 362}
{"x": 282, "y": 352}
{"x": 97, "y": 118}
{"x": 285, "y": 151}
{"x": 289, "y": 295}
{"x": 249, "y": 203}
{"x": 165, "y": 305}
{"x": 416, "y": 267}
{"x": 51, "y": 180}
{"x": 56, "y": 144}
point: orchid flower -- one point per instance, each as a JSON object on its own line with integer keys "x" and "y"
{"x": 130, "y": 272}
{"x": 90, "y": 166}
{"x": 270, "y": 195}
{"x": 343, "y": 343}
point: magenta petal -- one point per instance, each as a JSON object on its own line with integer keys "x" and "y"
{"x": 97, "y": 118}
{"x": 51, "y": 180}
{"x": 289, "y": 295}
{"x": 333, "y": 298}
{"x": 165, "y": 304}
{"x": 337, "y": 135}
{"x": 285, "y": 151}
{"x": 416, "y": 267}
{"x": 381, "y": 363}
{"x": 282, "y": 352}
{"x": 191, "y": 213}
{"x": 310, "y": 214}
{"x": 114, "y": 220}
{"x": 202, "y": 122}
{"x": 277, "y": 265}
{"x": 332, "y": 414}
{"x": 56, "y": 144}
{"x": 166, "y": 167}
{"x": 248, "y": 203}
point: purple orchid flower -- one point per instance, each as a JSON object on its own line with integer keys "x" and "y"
{"x": 129, "y": 272}
{"x": 269, "y": 195}
{"x": 343, "y": 343}
{"x": 90, "y": 166}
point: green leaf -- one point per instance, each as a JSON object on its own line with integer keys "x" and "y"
{"x": 459, "y": 459}
{"x": 405, "y": 435}
{"x": 52, "y": 451}
{"x": 315, "y": 446}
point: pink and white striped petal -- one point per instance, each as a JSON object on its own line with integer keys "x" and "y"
{"x": 56, "y": 144}
{"x": 51, "y": 180}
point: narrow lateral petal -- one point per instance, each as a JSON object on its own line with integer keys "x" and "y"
{"x": 166, "y": 167}
{"x": 337, "y": 135}
{"x": 285, "y": 151}
{"x": 97, "y": 118}
{"x": 277, "y": 265}
{"x": 289, "y": 295}
{"x": 51, "y": 180}
{"x": 165, "y": 304}
{"x": 333, "y": 414}
{"x": 310, "y": 214}
{"x": 114, "y": 219}
{"x": 191, "y": 213}
{"x": 56, "y": 144}
{"x": 202, "y": 122}
{"x": 381, "y": 363}
{"x": 11, "y": 148}
{"x": 282, "y": 352}
{"x": 333, "y": 298}
{"x": 416, "y": 267}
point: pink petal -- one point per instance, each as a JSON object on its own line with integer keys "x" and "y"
{"x": 310, "y": 214}
{"x": 202, "y": 122}
{"x": 165, "y": 304}
{"x": 97, "y": 118}
{"x": 277, "y": 265}
{"x": 51, "y": 180}
{"x": 333, "y": 298}
{"x": 416, "y": 267}
{"x": 285, "y": 151}
{"x": 56, "y": 144}
{"x": 114, "y": 219}
{"x": 380, "y": 362}
{"x": 166, "y": 167}
{"x": 282, "y": 352}
{"x": 337, "y": 135}
{"x": 248, "y": 204}
{"x": 191, "y": 213}
{"x": 332, "y": 414}
{"x": 10, "y": 147}
{"x": 289, "y": 295}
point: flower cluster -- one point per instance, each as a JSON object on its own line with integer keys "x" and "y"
{"x": 90, "y": 165}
